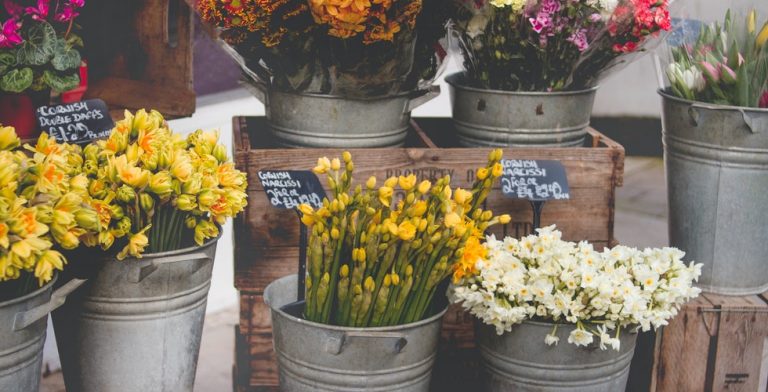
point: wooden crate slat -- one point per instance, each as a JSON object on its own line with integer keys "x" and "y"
{"x": 685, "y": 342}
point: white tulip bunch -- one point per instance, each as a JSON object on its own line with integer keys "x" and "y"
{"x": 542, "y": 277}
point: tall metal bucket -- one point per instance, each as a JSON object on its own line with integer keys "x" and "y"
{"x": 23, "y": 323}
{"x": 716, "y": 160}
{"x": 316, "y": 120}
{"x": 495, "y": 118}
{"x": 520, "y": 361}
{"x": 317, "y": 357}
{"x": 136, "y": 325}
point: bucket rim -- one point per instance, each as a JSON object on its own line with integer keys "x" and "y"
{"x": 31, "y": 295}
{"x": 410, "y": 94}
{"x": 456, "y": 79}
{"x": 707, "y": 105}
{"x": 540, "y": 323}
{"x": 188, "y": 249}
{"x": 337, "y": 328}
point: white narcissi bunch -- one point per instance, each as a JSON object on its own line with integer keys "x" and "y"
{"x": 542, "y": 277}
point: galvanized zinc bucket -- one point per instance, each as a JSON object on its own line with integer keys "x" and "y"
{"x": 496, "y": 118}
{"x": 318, "y": 357}
{"x": 136, "y": 325}
{"x": 316, "y": 120}
{"x": 23, "y": 323}
{"x": 520, "y": 361}
{"x": 716, "y": 159}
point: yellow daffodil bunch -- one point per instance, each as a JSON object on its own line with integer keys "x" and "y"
{"x": 153, "y": 188}
{"x": 377, "y": 254}
{"x": 42, "y": 207}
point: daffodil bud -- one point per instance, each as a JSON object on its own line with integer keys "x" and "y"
{"x": 390, "y": 182}
{"x": 369, "y": 284}
{"x": 482, "y": 173}
{"x": 344, "y": 271}
{"x": 87, "y": 219}
{"x": 194, "y": 185}
{"x": 335, "y": 164}
{"x": 186, "y": 202}
{"x": 335, "y": 233}
{"x": 116, "y": 211}
{"x": 407, "y": 182}
{"x": 190, "y": 222}
{"x": 126, "y": 194}
{"x": 504, "y": 219}
{"x": 8, "y": 138}
{"x": 220, "y": 153}
{"x": 371, "y": 183}
{"x": 346, "y": 156}
{"x": 147, "y": 202}
{"x": 497, "y": 170}
{"x": 206, "y": 198}
{"x": 124, "y": 225}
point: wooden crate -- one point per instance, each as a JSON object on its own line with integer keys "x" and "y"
{"x": 716, "y": 343}
{"x": 266, "y": 239}
{"x": 139, "y": 55}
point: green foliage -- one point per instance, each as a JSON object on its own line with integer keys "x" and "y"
{"x": 45, "y": 60}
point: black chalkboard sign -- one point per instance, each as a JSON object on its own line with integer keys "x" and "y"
{"x": 290, "y": 188}
{"x": 534, "y": 180}
{"x": 78, "y": 122}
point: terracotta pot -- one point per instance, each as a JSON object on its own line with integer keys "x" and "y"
{"x": 18, "y": 111}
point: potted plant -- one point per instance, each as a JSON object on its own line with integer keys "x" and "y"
{"x": 371, "y": 316}
{"x": 532, "y": 67}
{"x": 715, "y": 118}
{"x": 38, "y": 55}
{"x": 137, "y": 322}
{"x": 356, "y": 69}
{"x": 42, "y": 213}
{"x": 528, "y": 295}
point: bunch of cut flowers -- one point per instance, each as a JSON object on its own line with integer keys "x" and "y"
{"x": 38, "y": 47}
{"x": 373, "y": 261}
{"x": 724, "y": 64}
{"x": 158, "y": 191}
{"x": 348, "y": 48}
{"x": 541, "y": 277}
{"x": 43, "y": 210}
{"x": 553, "y": 45}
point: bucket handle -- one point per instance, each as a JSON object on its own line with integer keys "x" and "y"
{"x": 335, "y": 344}
{"x": 419, "y": 100}
{"x": 753, "y": 123}
{"x": 258, "y": 89}
{"x": 59, "y": 296}
{"x": 141, "y": 272}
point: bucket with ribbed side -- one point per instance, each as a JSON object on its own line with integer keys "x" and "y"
{"x": 318, "y": 357}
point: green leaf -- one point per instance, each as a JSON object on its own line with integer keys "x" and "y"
{"x": 60, "y": 83}
{"x": 75, "y": 41}
{"x": 7, "y": 61}
{"x": 38, "y": 48}
{"x": 65, "y": 58}
{"x": 17, "y": 80}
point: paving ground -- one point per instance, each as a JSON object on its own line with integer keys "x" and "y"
{"x": 640, "y": 221}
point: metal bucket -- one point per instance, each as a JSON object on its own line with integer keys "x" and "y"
{"x": 496, "y": 118}
{"x": 716, "y": 160}
{"x": 318, "y": 357}
{"x": 23, "y": 323}
{"x": 316, "y": 120}
{"x": 520, "y": 361}
{"x": 136, "y": 325}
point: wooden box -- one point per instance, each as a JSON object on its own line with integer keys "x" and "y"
{"x": 139, "y": 55}
{"x": 716, "y": 343}
{"x": 266, "y": 239}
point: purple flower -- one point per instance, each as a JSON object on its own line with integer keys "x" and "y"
{"x": 41, "y": 11}
{"x": 537, "y": 25}
{"x": 77, "y": 3}
{"x": 10, "y": 36}
{"x": 579, "y": 38}
{"x": 541, "y": 22}
{"x": 594, "y": 18}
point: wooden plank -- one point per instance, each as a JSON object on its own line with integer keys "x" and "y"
{"x": 685, "y": 345}
{"x": 741, "y": 336}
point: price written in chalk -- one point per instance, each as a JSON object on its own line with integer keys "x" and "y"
{"x": 78, "y": 122}
{"x": 290, "y": 188}
{"x": 534, "y": 180}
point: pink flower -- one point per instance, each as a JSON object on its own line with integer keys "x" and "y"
{"x": 66, "y": 14}
{"x": 579, "y": 38}
{"x": 538, "y": 26}
{"x": 41, "y": 11}
{"x": 711, "y": 71}
{"x": 10, "y": 36}
{"x": 728, "y": 74}
{"x": 77, "y": 3}
{"x": 12, "y": 8}
{"x": 764, "y": 101}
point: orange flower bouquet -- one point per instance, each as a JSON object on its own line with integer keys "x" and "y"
{"x": 361, "y": 48}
